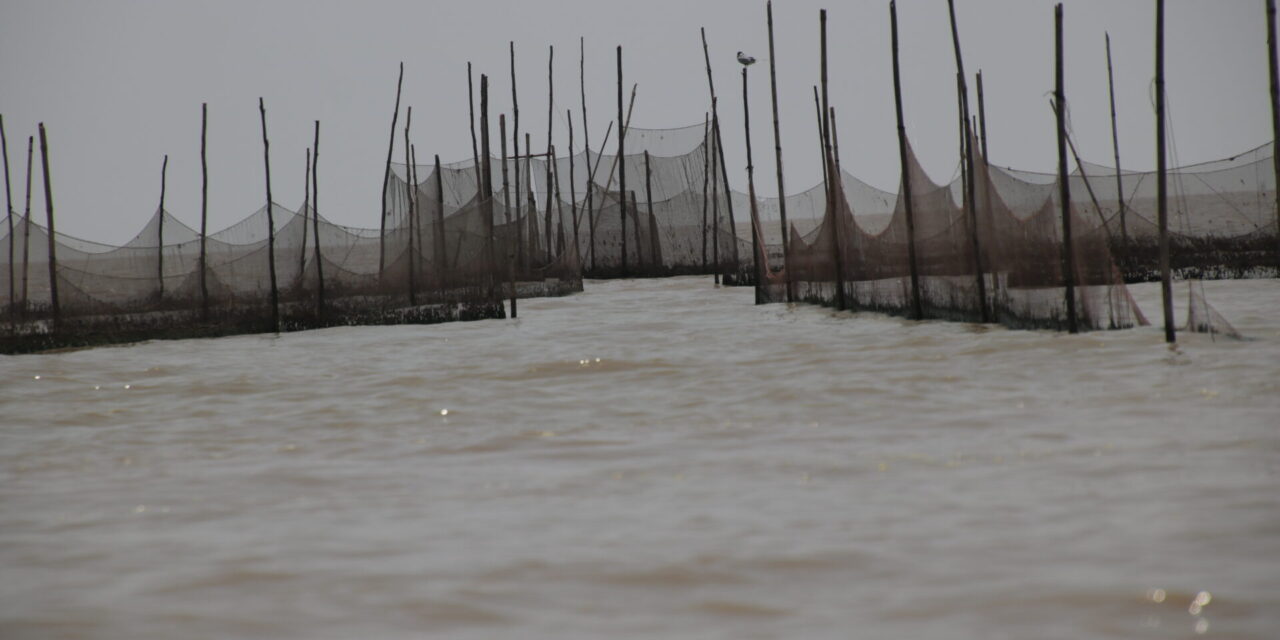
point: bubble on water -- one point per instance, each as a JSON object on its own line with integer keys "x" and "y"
{"x": 1203, "y": 598}
{"x": 444, "y": 412}
{"x": 36, "y": 377}
{"x": 1156, "y": 595}
{"x": 1202, "y": 626}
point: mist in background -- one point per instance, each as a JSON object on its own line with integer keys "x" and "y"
{"x": 119, "y": 85}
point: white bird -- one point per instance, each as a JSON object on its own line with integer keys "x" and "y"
{"x": 745, "y": 59}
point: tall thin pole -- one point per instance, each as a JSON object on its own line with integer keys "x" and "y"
{"x": 271, "y": 222}
{"x": 550, "y": 202}
{"x": 440, "y": 247}
{"x": 724, "y": 171}
{"x": 506, "y": 208}
{"x": 409, "y": 202}
{"x": 315, "y": 220}
{"x": 1162, "y": 191}
{"x": 982, "y": 120}
{"x": 1115, "y": 145}
{"x": 204, "y": 211}
{"x": 386, "y": 180}
{"x": 48, "y": 207}
{"x": 968, "y": 163}
{"x": 648, "y": 197}
{"x": 573, "y": 192}
{"x": 1068, "y": 253}
{"x": 488, "y": 188}
{"x": 822, "y": 138}
{"x": 777, "y": 148}
{"x": 26, "y": 226}
{"x": 715, "y": 200}
{"x": 1275, "y": 110}
{"x": 414, "y": 246}
{"x": 8, "y": 200}
{"x": 756, "y": 244}
{"x": 164, "y": 168}
{"x": 471, "y": 112}
{"x": 833, "y": 174}
{"x": 515, "y": 151}
{"x": 586, "y": 149}
{"x": 622, "y": 168}
{"x": 706, "y": 164}
{"x": 917, "y": 310}
{"x": 306, "y": 214}
{"x": 555, "y": 169}
{"x": 551, "y": 93}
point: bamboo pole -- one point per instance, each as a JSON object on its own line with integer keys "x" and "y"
{"x": 777, "y": 147}
{"x": 550, "y": 194}
{"x": 1068, "y": 249}
{"x": 648, "y": 196}
{"x": 471, "y": 112}
{"x": 204, "y": 212}
{"x": 1162, "y": 191}
{"x": 621, "y": 161}
{"x": 386, "y": 181}
{"x": 715, "y": 203}
{"x": 555, "y": 170}
{"x": 715, "y": 124}
{"x": 315, "y": 221}
{"x": 409, "y": 204}
{"x": 1274, "y": 69}
{"x": 8, "y": 200}
{"x": 822, "y": 138}
{"x": 967, "y": 160}
{"x": 48, "y": 207}
{"x": 531, "y": 204}
{"x": 440, "y": 247}
{"x": 573, "y": 192}
{"x": 551, "y": 92}
{"x": 758, "y": 265}
{"x": 521, "y": 221}
{"x": 982, "y": 120}
{"x": 586, "y": 149}
{"x": 415, "y": 244}
{"x": 917, "y": 309}
{"x": 493, "y": 293}
{"x": 1084, "y": 177}
{"x": 706, "y": 164}
{"x": 1115, "y": 146}
{"x": 833, "y": 175}
{"x": 26, "y": 227}
{"x": 306, "y": 209}
{"x": 271, "y": 224}
{"x": 164, "y": 168}
{"x": 506, "y": 208}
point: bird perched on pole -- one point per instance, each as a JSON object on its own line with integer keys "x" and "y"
{"x": 745, "y": 59}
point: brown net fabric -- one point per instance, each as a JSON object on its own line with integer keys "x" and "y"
{"x": 995, "y": 261}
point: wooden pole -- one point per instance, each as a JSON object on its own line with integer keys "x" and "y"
{"x": 1162, "y": 191}
{"x": 48, "y": 207}
{"x": 586, "y": 150}
{"x": 833, "y": 174}
{"x": 521, "y": 221}
{"x": 757, "y": 264}
{"x": 967, "y": 160}
{"x": 622, "y": 166}
{"x": 982, "y": 121}
{"x": 415, "y": 244}
{"x": 724, "y": 171}
{"x": 1274, "y": 68}
{"x": 493, "y": 278}
{"x": 706, "y": 164}
{"x": 1115, "y": 146}
{"x": 409, "y": 204}
{"x": 26, "y": 226}
{"x": 532, "y": 204}
{"x": 777, "y": 148}
{"x": 164, "y": 168}
{"x": 917, "y": 310}
{"x": 592, "y": 212}
{"x": 1068, "y": 254}
{"x": 8, "y": 199}
{"x": 271, "y": 223}
{"x": 315, "y": 221}
{"x": 555, "y": 170}
{"x": 715, "y": 202}
{"x": 822, "y": 137}
{"x": 551, "y": 93}
{"x": 386, "y": 181}
{"x": 550, "y": 203}
{"x": 506, "y": 208}
{"x": 648, "y": 197}
{"x": 440, "y": 247}
{"x": 204, "y": 212}
{"x": 573, "y": 192}
{"x": 471, "y": 111}
{"x": 306, "y": 214}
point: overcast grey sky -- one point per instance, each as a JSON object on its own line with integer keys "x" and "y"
{"x": 119, "y": 84}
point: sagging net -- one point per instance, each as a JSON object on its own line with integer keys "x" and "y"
{"x": 1000, "y": 260}
{"x": 436, "y": 259}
